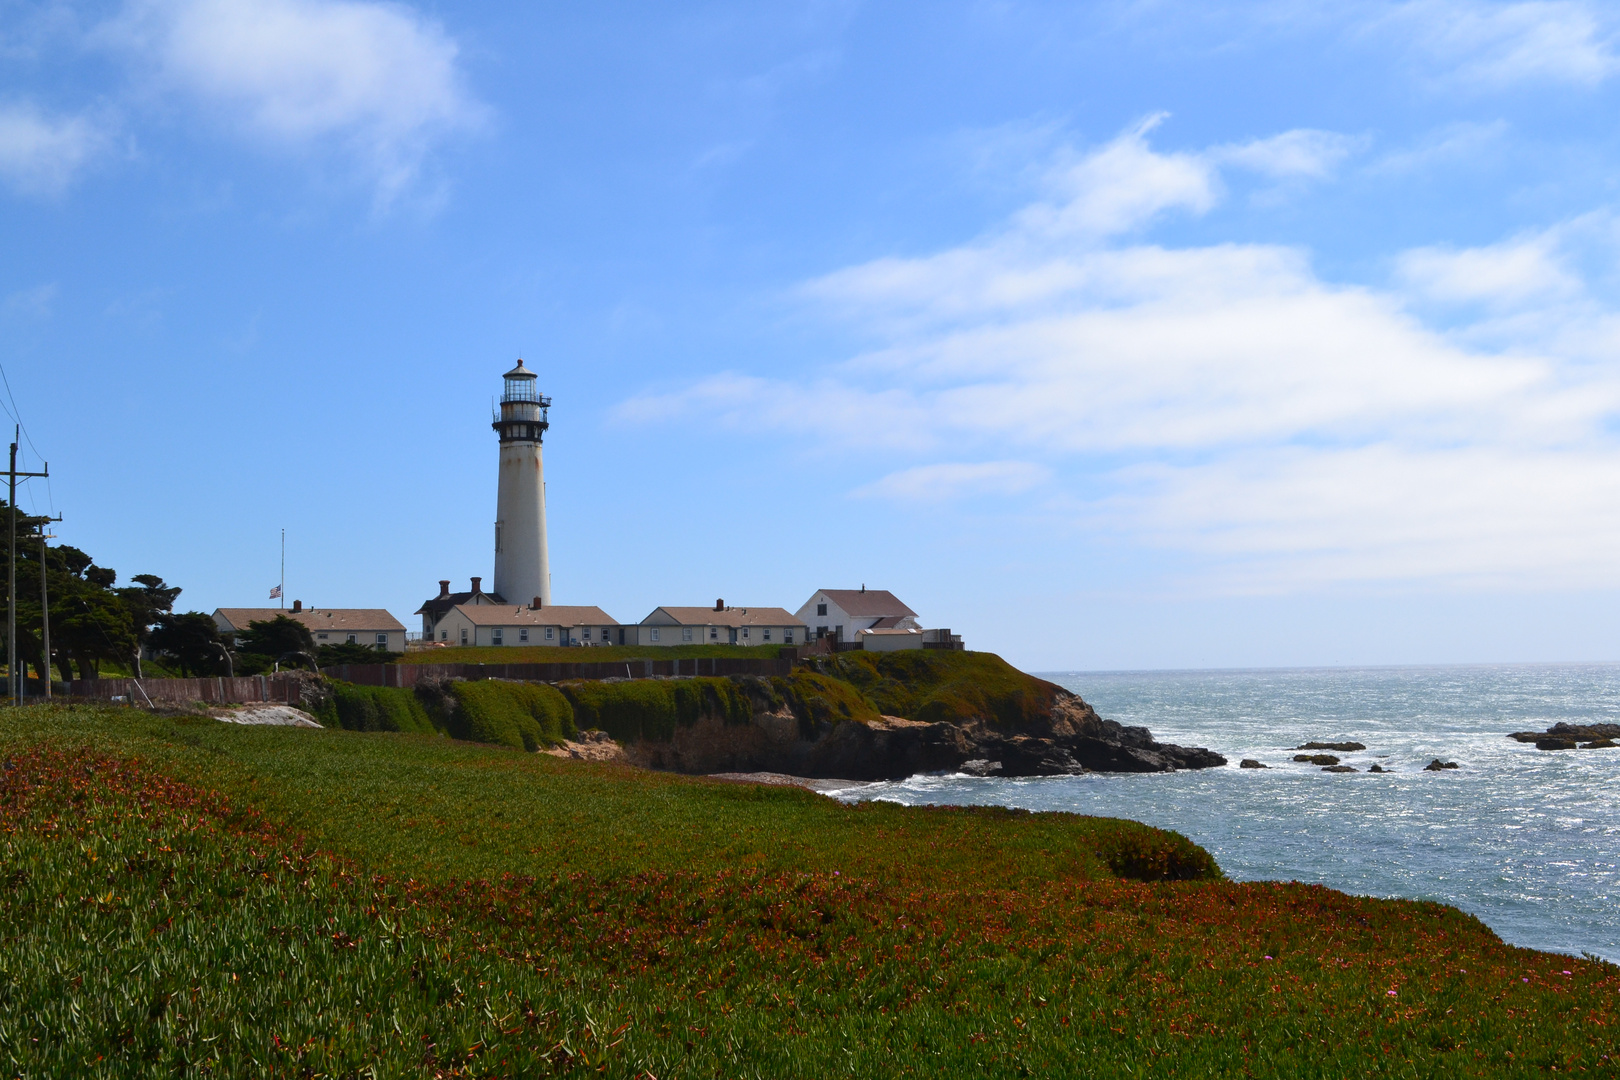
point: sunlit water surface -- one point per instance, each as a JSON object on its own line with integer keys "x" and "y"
{"x": 1527, "y": 840}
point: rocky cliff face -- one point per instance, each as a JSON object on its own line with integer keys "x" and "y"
{"x": 1068, "y": 738}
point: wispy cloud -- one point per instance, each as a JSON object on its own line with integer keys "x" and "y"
{"x": 42, "y": 153}
{"x": 1499, "y": 45}
{"x": 375, "y": 79}
{"x": 1225, "y": 399}
{"x": 952, "y": 480}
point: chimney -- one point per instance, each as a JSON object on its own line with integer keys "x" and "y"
{"x": 719, "y": 605}
{"x": 444, "y": 587}
{"x": 298, "y": 605}
{"x": 537, "y": 604}
{"x": 478, "y": 583}
{"x": 863, "y": 586}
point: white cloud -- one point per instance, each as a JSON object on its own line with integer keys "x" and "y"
{"x": 951, "y": 480}
{"x": 1497, "y": 45}
{"x": 1511, "y": 272}
{"x": 33, "y": 304}
{"x": 1225, "y": 400}
{"x": 41, "y": 154}
{"x": 1302, "y": 153}
{"x": 377, "y": 78}
{"x": 1124, "y": 185}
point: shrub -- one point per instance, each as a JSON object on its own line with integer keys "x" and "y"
{"x": 820, "y": 699}
{"x": 375, "y": 708}
{"x": 1141, "y": 853}
{"x": 654, "y": 708}
{"x": 525, "y": 716}
{"x": 938, "y": 685}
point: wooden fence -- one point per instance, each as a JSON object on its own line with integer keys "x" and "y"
{"x": 408, "y": 675}
{"x": 282, "y": 689}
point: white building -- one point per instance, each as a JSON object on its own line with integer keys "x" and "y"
{"x": 372, "y": 627}
{"x": 720, "y": 625}
{"x": 436, "y": 608}
{"x": 841, "y": 614}
{"x": 508, "y": 624}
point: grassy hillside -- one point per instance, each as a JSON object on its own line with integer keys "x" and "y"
{"x": 940, "y": 685}
{"x": 183, "y": 896}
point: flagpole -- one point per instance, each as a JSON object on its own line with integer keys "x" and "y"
{"x": 283, "y": 589}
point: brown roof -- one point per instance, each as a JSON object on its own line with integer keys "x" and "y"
{"x": 322, "y": 620}
{"x": 868, "y": 603}
{"x": 511, "y": 615}
{"x": 436, "y": 607}
{"x": 731, "y": 616}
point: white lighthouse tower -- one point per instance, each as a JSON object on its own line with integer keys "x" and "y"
{"x": 522, "y": 568}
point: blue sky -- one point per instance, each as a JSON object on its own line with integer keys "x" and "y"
{"x": 1109, "y": 335}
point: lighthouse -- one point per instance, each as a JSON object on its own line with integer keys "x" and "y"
{"x": 522, "y": 568}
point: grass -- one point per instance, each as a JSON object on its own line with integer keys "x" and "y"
{"x": 944, "y": 685}
{"x": 557, "y": 654}
{"x": 188, "y": 897}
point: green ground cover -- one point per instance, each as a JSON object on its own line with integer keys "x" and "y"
{"x": 943, "y": 685}
{"x": 179, "y": 896}
{"x": 556, "y": 654}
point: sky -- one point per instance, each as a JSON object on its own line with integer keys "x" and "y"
{"x": 1110, "y": 335}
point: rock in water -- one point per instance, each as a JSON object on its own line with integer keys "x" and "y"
{"x": 1250, "y": 763}
{"x": 1342, "y": 747}
{"x": 1555, "y": 744}
{"x": 1340, "y": 768}
{"x": 1436, "y": 765}
{"x": 1377, "y": 768}
{"x": 980, "y": 767}
{"x": 1317, "y": 759}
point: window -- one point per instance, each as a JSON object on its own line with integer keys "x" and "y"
{"x": 464, "y": 635}
{"x": 607, "y": 634}
{"x": 686, "y": 633}
{"x": 496, "y": 638}
{"x": 382, "y": 639}
{"x": 497, "y": 538}
{"x": 320, "y": 637}
{"x": 549, "y": 630}
{"x": 655, "y": 633}
{"x": 787, "y": 637}
{"x": 745, "y": 631}
{"x": 444, "y": 635}
{"x": 523, "y": 634}
{"x": 352, "y": 639}
{"x": 767, "y": 633}
{"x": 821, "y": 609}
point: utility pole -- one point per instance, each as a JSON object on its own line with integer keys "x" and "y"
{"x": 45, "y": 606}
{"x": 15, "y": 684}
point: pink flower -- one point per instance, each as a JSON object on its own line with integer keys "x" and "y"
{"x": 1391, "y": 993}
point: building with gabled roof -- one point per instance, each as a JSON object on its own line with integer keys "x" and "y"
{"x": 516, "y": 624}
{"x": 841, "y": 614}
{"x": 372, "y": 627}
{"x": 435, "y": 609}
{"x": 720, "y": 625}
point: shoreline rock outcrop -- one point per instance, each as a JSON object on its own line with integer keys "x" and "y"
{"x": 1066, "y": 740}
{"x": 1564, "y": 736}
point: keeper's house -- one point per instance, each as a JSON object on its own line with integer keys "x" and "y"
{"x": 509, "y": 624}
{"x": 372, "y": 627}
{"x": 841, "y": 614}
{"x": 719, "y": 625}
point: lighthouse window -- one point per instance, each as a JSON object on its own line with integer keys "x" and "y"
{"x": 497, "y": 536}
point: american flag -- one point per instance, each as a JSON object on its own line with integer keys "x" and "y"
{"x": 275, "y": 593}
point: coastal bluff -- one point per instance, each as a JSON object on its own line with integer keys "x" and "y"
{"x": 884, "y": 717}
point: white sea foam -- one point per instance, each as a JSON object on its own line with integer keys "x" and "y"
{"x": 1527, "y": 840}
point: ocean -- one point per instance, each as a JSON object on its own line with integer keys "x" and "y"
{"x": 1526, "y": 840}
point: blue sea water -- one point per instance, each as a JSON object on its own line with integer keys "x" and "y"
{"x": 1527, "y": 840}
